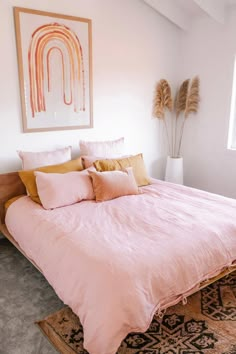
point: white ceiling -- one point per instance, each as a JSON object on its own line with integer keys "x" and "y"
{"x": 183, "y": 12}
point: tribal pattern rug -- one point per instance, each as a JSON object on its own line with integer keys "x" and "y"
{"x": 205, "y": 325}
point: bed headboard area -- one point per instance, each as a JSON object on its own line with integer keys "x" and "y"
{"x": 10, "y": 186}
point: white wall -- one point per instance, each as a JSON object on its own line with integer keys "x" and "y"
{"x": 133, "y": 47}
{"x": 209, "y": 50}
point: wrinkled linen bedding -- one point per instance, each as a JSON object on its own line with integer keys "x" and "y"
{"x": 116, "y": 263}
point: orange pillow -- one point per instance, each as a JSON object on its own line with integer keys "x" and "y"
{"x": 113, "y": 184}
{"x": 136, "y": 162}
{"x": 29, "y": 179}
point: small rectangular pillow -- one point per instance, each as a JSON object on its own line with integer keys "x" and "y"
{"x": 113, "y": 184}
{"x": 136, "y": 162}
{"x": 110, "y": 148}
{"x": 32, "y": 160}
{"x": 88, "y": 160}
{"x": 28, "y": 177}
{"x": 60, "y": 189}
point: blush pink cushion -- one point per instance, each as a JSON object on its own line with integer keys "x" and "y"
{"x": 110, "y": 148}
{"x": 113, "y": 184}
{"x": 88, "y": 160}
{"x": 56, "y": 190}
{"x": 31, "y": 160}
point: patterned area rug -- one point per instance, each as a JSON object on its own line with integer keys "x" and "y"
{"x": 205, "y": 325}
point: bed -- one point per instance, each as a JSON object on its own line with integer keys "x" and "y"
{"x": 119, "y": 262}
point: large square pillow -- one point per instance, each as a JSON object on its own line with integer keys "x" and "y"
{"x": 113, "y": 184}
{"x": 28, "y": 177}
{"x": 32, "y": 159}
{"x": 110, "y": 148}
{"x": 60, "y": 189}
{"x": 136, "y": 162}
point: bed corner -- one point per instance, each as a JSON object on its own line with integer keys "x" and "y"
{"x": 10, "y": 186}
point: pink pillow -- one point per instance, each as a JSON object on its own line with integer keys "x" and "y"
{"x": 110, "y": 148}
{"x": 60, "y": 189}
{"x": 113, "y": 184}
{"x": 31, "y": 160}
{"x": 88, "y": 160}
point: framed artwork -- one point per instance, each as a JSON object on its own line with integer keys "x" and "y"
{"x": 55, "y": 70}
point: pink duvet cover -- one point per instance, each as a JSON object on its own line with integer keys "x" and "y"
{"x": 116, "y": 263}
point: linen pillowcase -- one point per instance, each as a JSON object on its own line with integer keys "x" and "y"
{"x": 32, "y": 160}
{"x": 111, "y": 148}
{"x": 29, "y": 180}
{"x": 113, "y": 184}
{"x": 60, "y": 189}
{"x": 136, "y": 162}
{"x": 88, "y": 160}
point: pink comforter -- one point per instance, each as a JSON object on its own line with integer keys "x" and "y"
{"x": 116, "y": 263}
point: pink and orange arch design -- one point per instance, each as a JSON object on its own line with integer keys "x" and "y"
{"x": 58, "y": 38}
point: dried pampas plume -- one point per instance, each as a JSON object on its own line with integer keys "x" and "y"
{"x": 186, "y": 102}
{"x": 181, "y": 98}
{"x": 192, "y": 101}
{"x": 162, "y": 99}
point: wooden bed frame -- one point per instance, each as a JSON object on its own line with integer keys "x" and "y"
{"x": 12, "y": 186}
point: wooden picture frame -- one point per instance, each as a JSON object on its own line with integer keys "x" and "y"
{"x": 55, "y": 70}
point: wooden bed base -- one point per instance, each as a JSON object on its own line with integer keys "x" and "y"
{"x": 12, "y": 186}
{"x": 7, "y": 234}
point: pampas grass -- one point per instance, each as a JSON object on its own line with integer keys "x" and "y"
{"x": 186, "y": 102}
{"x": 162, "y": 99}
{"x": 162, "y": 102}
{"x": 192, "y": 103}
{"x": 180, "y": 106}
{"x": 192, "y": 100}
{"x": 181, "y": 98}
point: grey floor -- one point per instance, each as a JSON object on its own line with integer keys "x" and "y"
{"x": 25, "y": 297}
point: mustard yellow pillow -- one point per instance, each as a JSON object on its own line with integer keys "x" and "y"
{"x": 29, "y": 179}
{"x": 136, "y": 162}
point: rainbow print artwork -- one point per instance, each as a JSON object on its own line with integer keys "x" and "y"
{"x": 45, "y": 40}
{"x": 54, "y": 54}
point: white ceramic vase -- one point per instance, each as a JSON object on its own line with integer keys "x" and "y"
{"x": 174, "y": 170}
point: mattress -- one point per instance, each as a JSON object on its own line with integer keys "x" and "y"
{"x": 117, "y": 263}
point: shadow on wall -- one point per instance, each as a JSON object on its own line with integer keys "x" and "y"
{"x": 158, "y": 167}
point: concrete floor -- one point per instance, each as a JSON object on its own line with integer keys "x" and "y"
{"x": 25, "y": 297}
